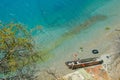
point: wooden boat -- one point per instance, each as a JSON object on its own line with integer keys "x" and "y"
{"x": 83, "y": 63}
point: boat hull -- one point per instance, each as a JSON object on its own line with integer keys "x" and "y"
{"x": 82, "y": 65}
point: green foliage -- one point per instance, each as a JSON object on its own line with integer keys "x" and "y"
{"x": 81, "y": 47}
{"x": 18, "y": 47}
{"x": 107, "y": 28}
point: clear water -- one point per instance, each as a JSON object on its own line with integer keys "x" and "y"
{"x": 46, "y": 12}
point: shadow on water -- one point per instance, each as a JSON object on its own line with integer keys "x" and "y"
{"x": 74, "y": 31}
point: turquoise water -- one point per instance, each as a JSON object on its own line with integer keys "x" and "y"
{"x": 46, "y": 12}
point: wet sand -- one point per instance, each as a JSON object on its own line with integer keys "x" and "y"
{"x": 106, "y": 45}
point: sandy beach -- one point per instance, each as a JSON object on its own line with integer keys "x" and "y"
{"x": 112, "y": 63}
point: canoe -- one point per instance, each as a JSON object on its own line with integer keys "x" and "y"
{"x": 84, "y": 63}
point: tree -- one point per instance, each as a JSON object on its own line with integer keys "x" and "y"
{"x": 16, "y": 48}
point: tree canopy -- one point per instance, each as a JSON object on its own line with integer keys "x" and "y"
{"x": 16, "y": 47}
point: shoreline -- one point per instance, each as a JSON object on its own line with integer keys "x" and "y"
{"x": 59, "y": 65}
{"x": 95, "y": 37}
